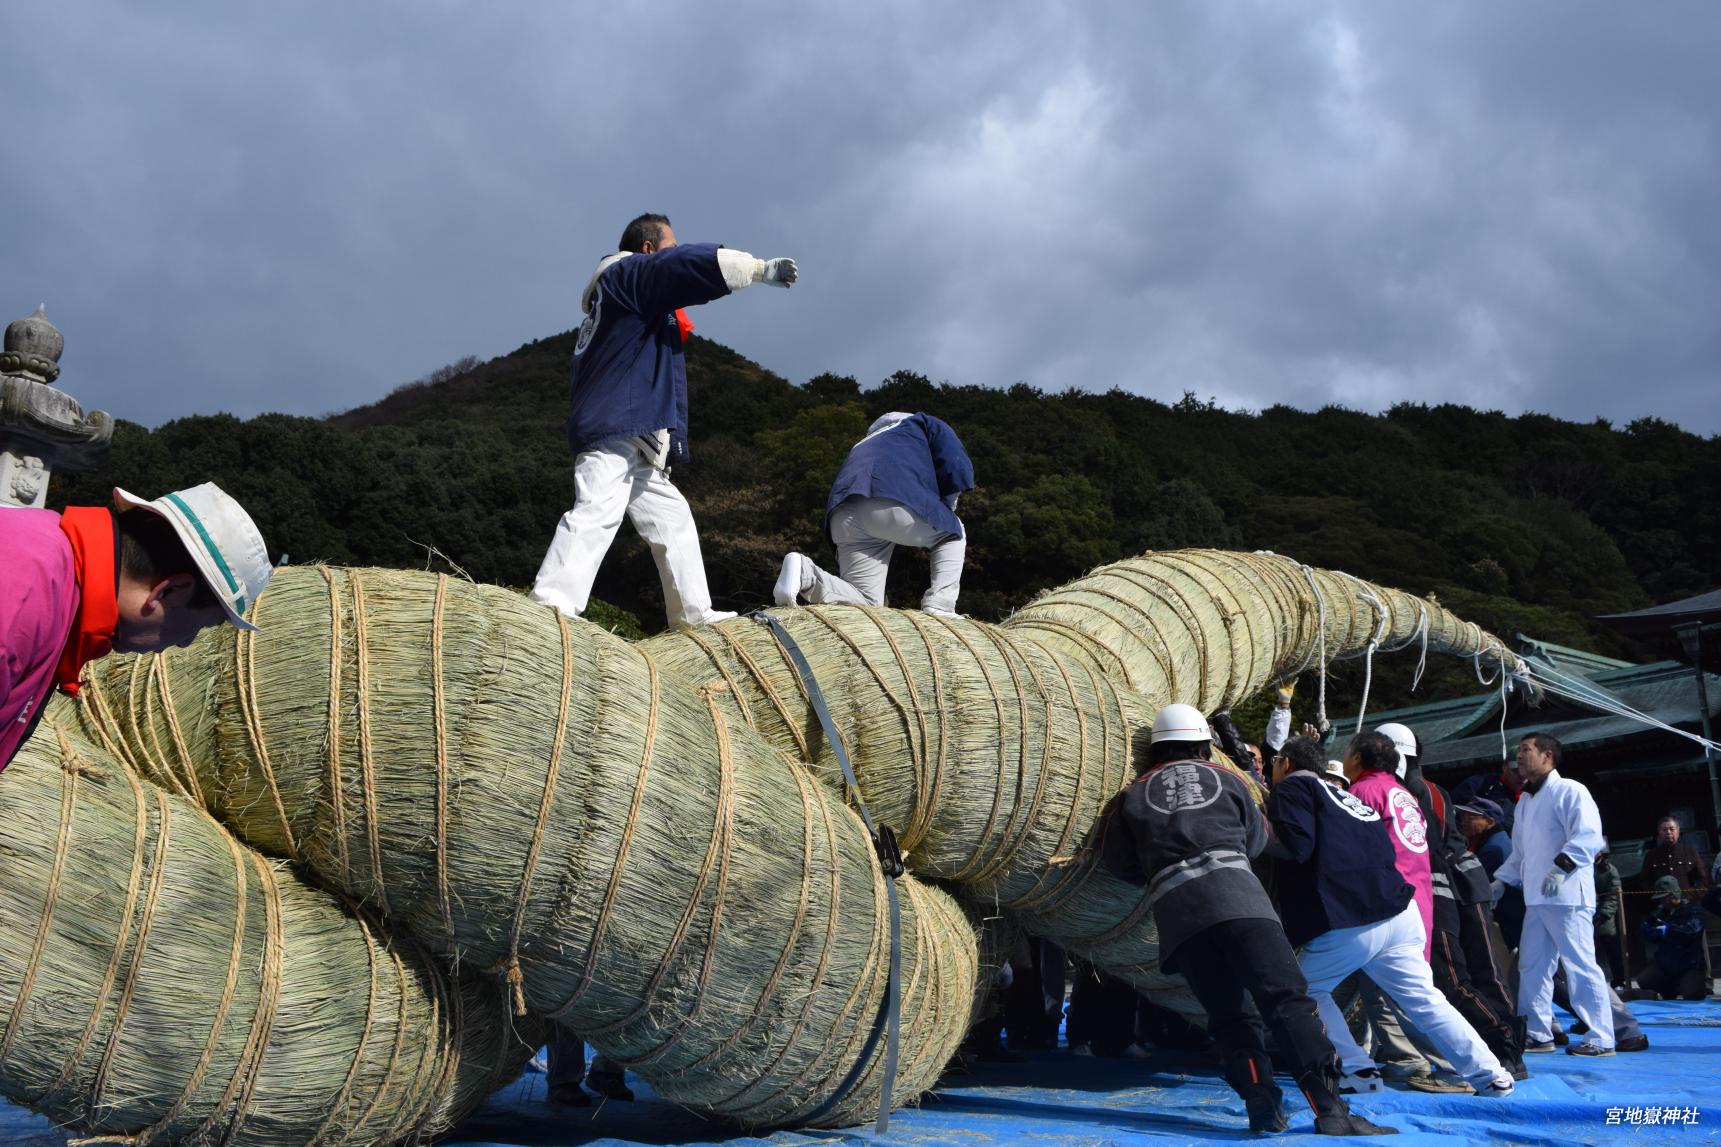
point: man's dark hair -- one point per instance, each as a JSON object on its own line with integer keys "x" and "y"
{"x": 1544, "y": 744}
{"x": 1306, "y": 755}
{"x": 151, "y": 552}
{"x": 1375, "y": 750}
{"x": 1158, "y": 754}
{"x": 647, "y": 228}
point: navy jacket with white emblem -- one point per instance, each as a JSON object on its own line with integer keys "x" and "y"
{"x": 1342, "y": 871}
{"x": 1188, "y": 830}
{"x": 629, "y": 373}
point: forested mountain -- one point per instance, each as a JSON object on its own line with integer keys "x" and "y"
{"x": 1527, "y": 524}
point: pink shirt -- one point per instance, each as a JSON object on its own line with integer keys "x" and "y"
{"x": 1408, "y": 831}
{"x": 38, "y": 602}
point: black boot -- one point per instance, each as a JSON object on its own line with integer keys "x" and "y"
{"x": 1512, "y": 1056}
{"x": 1250, "y": 1073}
{"x": 1333, "y": 1115}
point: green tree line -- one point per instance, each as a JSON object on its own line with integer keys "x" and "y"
{"x": 1523, "y": 524}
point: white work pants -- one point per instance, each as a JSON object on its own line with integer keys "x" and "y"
{"x": 1389, "y": 952}
{"x": 866, "y": 532}
{"x": 1554, "y": 932}
{"x": 610, "y": 480}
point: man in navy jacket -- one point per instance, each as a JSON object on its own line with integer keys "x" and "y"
{"x": 1344, "y": 901}
{"x": 628, "y": 421}
{"x": 898, "y": 486}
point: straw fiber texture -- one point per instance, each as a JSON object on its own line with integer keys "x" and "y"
{"x": 992, "y": 749}
{"x": 1209, "y": 627}
{"x": 990, "y": 757}
{"x": 530, "y": 797}
{"x": 160, "y": 983}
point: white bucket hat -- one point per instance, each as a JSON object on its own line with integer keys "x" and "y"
{"x": 223, "y": 541}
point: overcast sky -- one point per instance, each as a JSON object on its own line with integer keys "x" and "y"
{"x": 298, "y": 206}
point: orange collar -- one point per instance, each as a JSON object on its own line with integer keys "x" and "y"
{"x": 94, "y": 535}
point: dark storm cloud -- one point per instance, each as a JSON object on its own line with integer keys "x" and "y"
{"x": 299, "y": 207}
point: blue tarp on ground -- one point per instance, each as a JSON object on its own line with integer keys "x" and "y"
{"x": 1060, "y": 1100}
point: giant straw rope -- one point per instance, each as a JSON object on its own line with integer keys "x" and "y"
{"x": 650, "y": 843}
{"x": 207, "y": 995}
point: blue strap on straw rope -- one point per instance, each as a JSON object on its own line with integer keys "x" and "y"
{"x": 888, "y": 1021}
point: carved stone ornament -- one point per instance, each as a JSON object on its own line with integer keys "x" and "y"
{"x": 40, "y": 426}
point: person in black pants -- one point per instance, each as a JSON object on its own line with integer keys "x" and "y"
{"x": 1188, "y": 828}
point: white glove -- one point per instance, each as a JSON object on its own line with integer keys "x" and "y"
{"x": 776, "y": 272}
{"x": 1496, "y": 889}
{"x": 1552, "y": 881}
{"x": 741, "y": 269}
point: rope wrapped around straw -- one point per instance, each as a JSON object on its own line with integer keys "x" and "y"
{"x": 532, "y": 796}
{"x": 989, "y": 756}
{"x": 1209, "y": 627}
{"x": 993, "y": 748}
{"x": 160, "y": 983}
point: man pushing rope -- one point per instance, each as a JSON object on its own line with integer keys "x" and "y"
{"x": 135, "y": 578}
{"x": 1188, "y": 828}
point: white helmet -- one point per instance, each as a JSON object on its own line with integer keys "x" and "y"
{"x": 1403, "y": 740}
{"x": 1180, "y": 723}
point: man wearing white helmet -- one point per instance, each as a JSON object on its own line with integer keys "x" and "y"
{"x": 1188, "y": 828}
{"x": 137, "y": 578}
{"x": 1460, "y": 949}
{"x": 1376, "y": 784}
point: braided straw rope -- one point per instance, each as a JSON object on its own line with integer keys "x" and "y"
{"x": 161, "y": 983}
{"x": 531, "y": 796}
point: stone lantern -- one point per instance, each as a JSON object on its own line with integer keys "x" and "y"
{"x": 41, "y": 427}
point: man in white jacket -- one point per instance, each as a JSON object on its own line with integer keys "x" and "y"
{"x": 1555, "y": 838}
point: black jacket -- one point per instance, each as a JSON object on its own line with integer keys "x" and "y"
{"x": 1188, "y": 829}
{"x": 1342, "y": 871}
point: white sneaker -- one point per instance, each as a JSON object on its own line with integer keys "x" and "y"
{"x": 1364, "y": 1082}
{"x": 788, "y": 586}
{"x": 1501, "y": 1088}
{"x": 712, "y": 617}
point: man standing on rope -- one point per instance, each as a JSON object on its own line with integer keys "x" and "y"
{"x": 628, "y": 422}
{"x": 1350, "y": 909}
{"x": 1554, "y": 843}
{"x": 898, "y": 486}
{"x": 138, "y": 578}
{"x": 1188, "y": 828}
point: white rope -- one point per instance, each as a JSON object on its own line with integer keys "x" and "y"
{"x": 1503, "y": 756}
{"x": 1421, "y": 631}
{"x": 1321, "y": 721}
{"x": 1363, "y": 591}
{"x": 1590, "y": 694}
{"x": 1476, "y": 657}
{"x": 1421, "y": 658}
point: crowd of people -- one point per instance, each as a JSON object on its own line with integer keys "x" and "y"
{"x": 1455, "y": 922}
